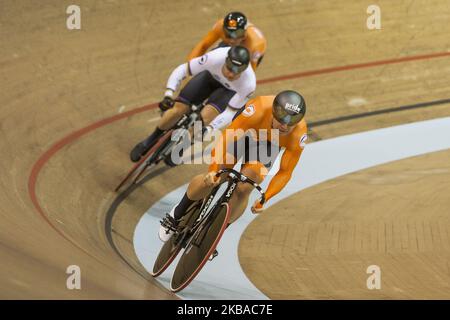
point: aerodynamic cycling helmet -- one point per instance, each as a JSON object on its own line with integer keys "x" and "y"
{"x": 234, "y": 25}
{"x": 238, "y": 59}
{"x": 289, "y": 107}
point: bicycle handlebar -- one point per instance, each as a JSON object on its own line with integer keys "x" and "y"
{"x": 243, "y": 178}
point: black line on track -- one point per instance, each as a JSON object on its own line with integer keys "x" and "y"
{"x": 113, "y": 209}
{"x": 378, "y": 112}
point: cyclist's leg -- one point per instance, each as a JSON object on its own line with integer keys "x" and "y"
{"x": 216, "y": 104}
{"x": 196, "y": 190}
{"x": 194, "y": 92}
{"x": 256, "y": 168}
{"x": 168, "y": 120}
{"x": 171, "y": 116}
{"x": 208, "y": 113}
{"x": 255, "y": 171}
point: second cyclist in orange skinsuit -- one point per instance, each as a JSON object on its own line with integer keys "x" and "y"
{"x": 234, "y": 30}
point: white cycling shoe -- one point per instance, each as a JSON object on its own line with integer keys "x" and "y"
{"x": 164, "y": 232}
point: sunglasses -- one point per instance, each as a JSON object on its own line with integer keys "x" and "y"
{"x": 289, "y": 120}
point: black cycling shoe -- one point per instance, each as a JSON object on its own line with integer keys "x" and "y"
{"x": 138, "y": 151}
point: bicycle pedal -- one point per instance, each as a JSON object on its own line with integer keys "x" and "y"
{"x": 214, "y": 254}
{"x": 169, "y": 223}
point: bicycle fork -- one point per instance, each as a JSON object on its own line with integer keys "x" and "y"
{"x": 205, "y": 219}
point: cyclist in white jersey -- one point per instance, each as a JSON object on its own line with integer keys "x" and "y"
{"x": 223, "y": 78}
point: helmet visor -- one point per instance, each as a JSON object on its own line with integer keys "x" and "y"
{"x": 285, "y": 118}
{"x": 234, "y": 33}
{"x": 235, "y": 66}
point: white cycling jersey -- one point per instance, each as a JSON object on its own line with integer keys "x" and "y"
{"x": 213, "y": 62}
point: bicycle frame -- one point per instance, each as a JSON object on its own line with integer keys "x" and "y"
{"x": 201, "y": 233}
{"x": 233, "y": 178}
{"x": 186, "y": 121}
{"x": 164, "y": 149}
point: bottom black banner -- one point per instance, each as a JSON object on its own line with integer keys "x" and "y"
{"x": 227, "y": 309}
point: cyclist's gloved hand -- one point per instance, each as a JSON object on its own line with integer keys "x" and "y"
{"x": 210, "y": 179}
{"x": 257, "y": 207}
{"x": 166, "y": 103}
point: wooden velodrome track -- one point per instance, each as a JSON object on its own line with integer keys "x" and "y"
{"x": 67, "y": 125}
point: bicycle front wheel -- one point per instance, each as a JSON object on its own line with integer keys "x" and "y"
{"x": 172, "y": 247}
{"x": 200, "y": 248}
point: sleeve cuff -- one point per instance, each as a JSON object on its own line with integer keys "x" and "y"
{"x": 169, "y": 93}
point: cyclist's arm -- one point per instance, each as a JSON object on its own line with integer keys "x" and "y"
{"x": 190, "y": 68}
{"x": 205, "y": 43}
{"x": 179, "y": 74}
{"x": 223, "y": 119}
{"x": 238, "y": 100}
{"x": 259, "y": 49}
{"x": 288, "y": 162}
{"x": 257, "y": 57}
{"x": 256, "y": 60}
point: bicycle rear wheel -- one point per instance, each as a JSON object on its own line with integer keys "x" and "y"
{"x": 201, "y": 248}
{"x": 172, "y": 247}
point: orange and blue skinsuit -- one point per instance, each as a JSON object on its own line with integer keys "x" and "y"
{"x": 254, "y": 41}
{"x": 257, "y": 115}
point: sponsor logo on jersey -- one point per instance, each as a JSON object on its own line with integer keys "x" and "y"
{"x": 292, "y": 107}
{"x": 249, "y": 110}
{"x": 303, "y": 140}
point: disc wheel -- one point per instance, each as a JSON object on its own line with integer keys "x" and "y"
{"x": 200, "y": 248}
{"x": 172, "y": 247}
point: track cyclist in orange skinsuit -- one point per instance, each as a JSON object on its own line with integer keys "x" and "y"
{"x": 234, "y": 30}
{"x": 280, "y": 115}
